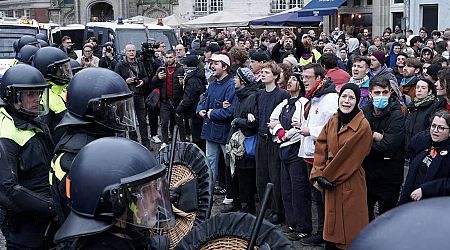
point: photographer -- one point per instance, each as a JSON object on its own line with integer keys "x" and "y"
{"x": 108, "y": 61}
{"x": 134, "y": 73}
{"x": 88, "y": 59}
{"x": 167, "y": 80}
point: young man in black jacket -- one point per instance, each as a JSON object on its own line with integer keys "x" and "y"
{"x": 133, "y": 72}
{"x": 384, "y": 164}
{"x": 171, "y": 94}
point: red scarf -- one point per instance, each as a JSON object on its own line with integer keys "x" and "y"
{"x": 310, "y": 93}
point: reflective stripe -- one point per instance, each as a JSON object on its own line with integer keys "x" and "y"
{"x": 57, "y": 97}
{"x": 8, "y": 129}
{"x": 56, "y": 170}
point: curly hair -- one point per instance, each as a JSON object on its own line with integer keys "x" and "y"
{"x": 286, "y": 71}
{"x": 238, "y": 55}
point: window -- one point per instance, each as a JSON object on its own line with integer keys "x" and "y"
{"x": 369, "y": 2}
{"x": 295, "y": 3}
{"x": 278, "y": 5}
{"x": 398, "y": 1}
{"x": 27, "y": 13}
{"x": 201, "y": 6}
{"x": 357, "y": 3}
{"x": 216, "y": 5}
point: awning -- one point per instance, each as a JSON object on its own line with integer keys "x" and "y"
{"x": 321, "y": 8}
{"x": 286, "y": 19}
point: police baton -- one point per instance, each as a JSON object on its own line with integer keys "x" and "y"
{"x": 259, "y": 219}
{"x": 172, "y": 153}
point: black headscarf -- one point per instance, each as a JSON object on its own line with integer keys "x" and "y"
{"x": 346, "y": 118}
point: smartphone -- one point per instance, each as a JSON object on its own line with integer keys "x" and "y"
{"x": 86, "y": 60}
{"x": 162, "y": 69}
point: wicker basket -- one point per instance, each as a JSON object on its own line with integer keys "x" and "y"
{"x": 226, "y": 242}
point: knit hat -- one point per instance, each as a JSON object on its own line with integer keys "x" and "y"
{"x": 371, "y": 49}
{"x": 190, "y": 60}
{"x": 292, "y": 60}
{"x": 433, "y": 70}
{"x": 259, "y": 56}
{"x": 246, "y": 75}
{"x": 379, "y": 55}
{"x": 329, "y": 46}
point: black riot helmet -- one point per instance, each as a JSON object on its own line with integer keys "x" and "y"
{"x": 116, "y": 180}
{"x": 16, "y": 45}
{"x": 418, "y": 225}
{"x": 54, "y": 65}
{"x": 26, "y": 53}
{"x": 27, "y": 40}
{"x": 42, "y": 37}
{"x": 25, "y": 89}
{"x": 42, "y": 43}
{"x": 99, "y": 95}
{"x": 75, "y": 65}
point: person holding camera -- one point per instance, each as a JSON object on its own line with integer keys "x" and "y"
{"x": 88, "y": 59}
{"x": 171, "y": 94}
{"x": 108, "y": 61}
{"x": 134, "y": 73}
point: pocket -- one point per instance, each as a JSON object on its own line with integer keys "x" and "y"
{"x": 218, "y": 130}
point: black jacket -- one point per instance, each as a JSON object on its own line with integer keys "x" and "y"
{"x": 106, "y": 63}
{"x": 246, "y": 104}
{"x": 194, "y": 86}
{"x": 279, "y": 52}
{"x": 177, "y": 89}
{"x": 384, "y": 164}
{"x": 123, "y": 68}
{"x": 25, "y": 164}
{"x": 437, "y": 180}
{"x": 418, "y": 119}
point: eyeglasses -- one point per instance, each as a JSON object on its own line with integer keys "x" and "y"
{"x": 440, "y": 128}
{"x": 88, "y": 51}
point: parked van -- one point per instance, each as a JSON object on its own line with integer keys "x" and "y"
{"x": 121, "y": 33}
{"x": 75, "y": 31}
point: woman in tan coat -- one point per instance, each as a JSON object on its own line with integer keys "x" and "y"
{"x": 340, "y": 150}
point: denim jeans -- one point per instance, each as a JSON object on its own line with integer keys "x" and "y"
{"x": 212, "y": 154}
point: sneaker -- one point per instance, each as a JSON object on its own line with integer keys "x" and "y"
{"x": 287, "y": 229}
{"x": 313, "y": 240}
{"x": 219, "y": 190}
{"x": 156, "y": 139}
{"x": 296, "y": 236}
{"x": 227, "y": 201}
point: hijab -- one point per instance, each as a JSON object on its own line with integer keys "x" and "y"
{"x": 344, "y": 119}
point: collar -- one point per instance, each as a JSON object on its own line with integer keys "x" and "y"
{"x": 224, "y": 80}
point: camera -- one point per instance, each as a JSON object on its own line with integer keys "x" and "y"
{"x": 136, "y": 81}
{"x": 86, "y": 59}
{"x": 108, "y": 49}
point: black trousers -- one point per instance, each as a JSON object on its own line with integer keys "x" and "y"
{"x": 28, "y": 235}
{"x": 168, "y": 112}
{"x": 244, "y": 181}
{"x": 153, "y": 115}
{"x": 319, "y": 199}
{"x": 141, "y": 113}
{"x": 296, "y": 195}
{"x": 268, "y": 167}
{"x": 386, "y": 194}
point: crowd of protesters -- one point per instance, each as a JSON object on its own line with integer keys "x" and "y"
{"x": 329, "y": 119}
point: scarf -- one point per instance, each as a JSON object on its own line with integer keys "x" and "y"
{"x": 406, "y": 81}
{"x": 374, "y": 73}
{"x": 235, "y": 149}
{"x": 360, "y": 82}
{"x": 419, "y": 102}
{"x": 317, "y": 86}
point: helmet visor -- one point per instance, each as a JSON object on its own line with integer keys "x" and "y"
{"x": 61, "y": 71}
{"x": 31, "y": 101}
{"x": 149, "y": 205}
{"x": 115, "y": 112}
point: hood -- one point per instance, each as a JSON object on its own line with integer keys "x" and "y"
{"x": 353, "y": 44}
{"x": 326, "y": 88}
{"x": 246, "y": 91}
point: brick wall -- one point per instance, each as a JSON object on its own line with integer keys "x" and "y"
{"x": 40, "y": 14}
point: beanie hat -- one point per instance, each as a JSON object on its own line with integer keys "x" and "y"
{"x": 246, "y": 75}
{"x": 292, "y": 60}
{"x": 260, "y": 56}
{"x": 379, "y": 55}
{"x": 371, "y": 49}
{"x": 329, "y": 46}
{"x": 433, "y": 70}
{"x": 190, "y": 60}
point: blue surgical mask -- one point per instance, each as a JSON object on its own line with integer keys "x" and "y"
{"x": 380, "y": 102}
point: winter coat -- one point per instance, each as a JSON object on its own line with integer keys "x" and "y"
{"x": 323, "y": 104}
{"x": 385, "y": 162}
{"x": 338, "y": 157}
{"x": 177, "y": 89}
{"x": 418, "y": 119}
{"x": 246, "y": 104}
{"x": 217, "y": 128}
{"x": 123, "y": 68}
{"x": 437, "y": 180}
{"x": 194, "y": 86}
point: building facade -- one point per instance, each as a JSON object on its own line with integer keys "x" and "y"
{"x": 431, "y": 14}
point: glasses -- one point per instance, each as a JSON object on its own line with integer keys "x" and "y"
{"x": 88, "y": 51}
{"x": 307, "y": 77}
{"x": 439, "y": 128}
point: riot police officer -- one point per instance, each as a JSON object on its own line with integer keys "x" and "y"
{"x": 117, "y": 192}
{"x": 99, "y": 104}
{"x": 26, "y": 150}
{"x": 54, "y": 65}
{"x": 25, "y": 54}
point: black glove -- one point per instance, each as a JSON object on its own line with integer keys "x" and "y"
{"x": 324, "y": 183}
{"x": 174, "y": 194}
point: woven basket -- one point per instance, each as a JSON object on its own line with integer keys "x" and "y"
{"x": 183, "y": 221}
{"x": 226, "y": 242}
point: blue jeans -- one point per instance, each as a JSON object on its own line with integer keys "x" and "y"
{"x": 212, "y": 153}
